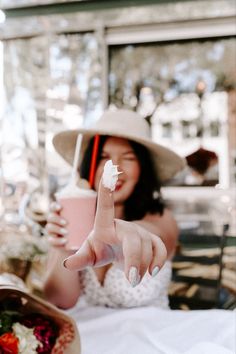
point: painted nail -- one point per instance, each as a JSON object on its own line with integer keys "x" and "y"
{"x": 134, "y": 277}
{"x": 63, "y": 231}
{"x": 56, "y": 206}
{"x": 63, "y": 222}
{"x": 61, "y": 241}
{"x": 56, "y": 241}
{"x": 155, "y": 271}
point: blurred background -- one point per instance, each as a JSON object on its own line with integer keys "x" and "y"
{"x": 62, "y": 62}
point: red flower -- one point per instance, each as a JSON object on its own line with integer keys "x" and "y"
{"x": 8, "y": 344}
{"x": 45, "y": 330}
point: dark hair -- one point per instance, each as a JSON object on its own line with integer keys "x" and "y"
{"x": 146, "y": 196}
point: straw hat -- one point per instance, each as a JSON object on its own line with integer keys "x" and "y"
{"x": 125, "y": 124}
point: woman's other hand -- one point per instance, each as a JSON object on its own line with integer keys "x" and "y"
{"x": 56, "y": 226}
{"x": 114, "y": 239}
{"x": 58, "y": 281}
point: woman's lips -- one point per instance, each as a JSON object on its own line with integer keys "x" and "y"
{"x": 118, "y": 186}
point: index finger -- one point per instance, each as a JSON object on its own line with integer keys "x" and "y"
{"x": 104, "y": 218}
{"x": 105, "y": 208}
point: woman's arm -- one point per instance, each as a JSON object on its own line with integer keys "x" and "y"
{"x": 61, "y": 287}
{"x": 163, "y": 226}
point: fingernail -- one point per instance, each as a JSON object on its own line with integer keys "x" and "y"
{"x": 56, "y": 206}
{"x": 62, "y": 240}
{"x": 134, "y": 277}
{"x": 155, "y": 271}
{"x": 58, "y": 241}
{"x": 63, "y": 222}
{"x": 63, "y": 231}
{"x": 64, "y": 262}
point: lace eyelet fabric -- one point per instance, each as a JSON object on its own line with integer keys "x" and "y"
{"x": 117, "y": 292}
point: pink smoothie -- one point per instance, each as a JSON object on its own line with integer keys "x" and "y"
{"x": 79, "y": 212}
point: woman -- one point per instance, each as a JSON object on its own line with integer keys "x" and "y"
{"x": 132, "y": 224}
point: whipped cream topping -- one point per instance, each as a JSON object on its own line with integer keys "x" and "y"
{"x": 71, "y": 190}
{"x": 110, "y": 175}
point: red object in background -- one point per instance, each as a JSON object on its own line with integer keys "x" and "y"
{"x": 201, "y": 159}
{"x": 93, "y": 161}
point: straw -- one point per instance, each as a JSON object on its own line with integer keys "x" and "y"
{"x": 74, "y": 172}
{"x": 93, "y": 161}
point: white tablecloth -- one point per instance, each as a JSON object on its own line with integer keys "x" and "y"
{"x": 149, "y": 330}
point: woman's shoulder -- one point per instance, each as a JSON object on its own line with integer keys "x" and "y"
{"x": 166, "y": 212}
{"x": 166, "y": 217}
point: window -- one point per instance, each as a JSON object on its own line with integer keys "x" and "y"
{"x": 182, "y": 88}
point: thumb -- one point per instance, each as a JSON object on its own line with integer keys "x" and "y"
{"x": 83, "y": 258}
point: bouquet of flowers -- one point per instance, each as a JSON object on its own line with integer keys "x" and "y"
{"x": 30, "y": 325}
{"x": 19, "y": 252}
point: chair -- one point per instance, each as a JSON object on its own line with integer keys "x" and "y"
{"x": 204, "y": 272}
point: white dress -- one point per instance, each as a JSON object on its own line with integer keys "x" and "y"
{"x": 117, "y": 292}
